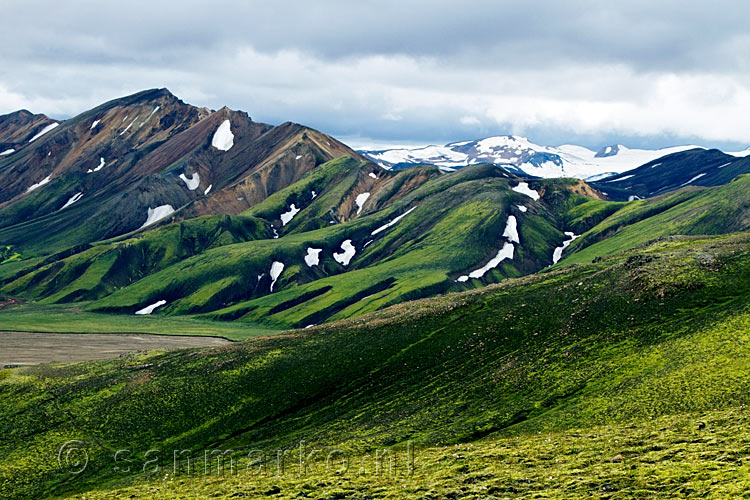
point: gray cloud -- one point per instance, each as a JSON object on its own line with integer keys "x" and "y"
{"x": 403, "y": 71}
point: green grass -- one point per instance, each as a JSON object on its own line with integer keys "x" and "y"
{"x": 71, "y": 319}
{"x": 696, "y": 455}
{"x": 690, "y": 211}
{"x": 456, "y": 227}
{"x": 655, "y": 333}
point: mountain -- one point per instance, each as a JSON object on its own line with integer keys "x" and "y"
{"x": 522, "y": 156}
{"x": 695, "y": 167}
{"x": 351, "y": 238}
{"x": 137, "y": 161}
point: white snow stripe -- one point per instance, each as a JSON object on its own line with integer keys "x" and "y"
{"x": 46, "y": 129}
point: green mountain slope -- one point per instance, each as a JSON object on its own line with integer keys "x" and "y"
{"x": 689, "y": 211}
{"x": 418, "y": 233}
{"x": 656, "y": 331}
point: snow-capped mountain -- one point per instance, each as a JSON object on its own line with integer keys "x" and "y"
{"x": 518, "y": 153}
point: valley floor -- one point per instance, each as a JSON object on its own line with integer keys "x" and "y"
{"x": 699, "y": 455}
{"x": 31, "y": 348}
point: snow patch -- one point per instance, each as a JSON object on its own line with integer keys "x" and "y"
{"x": 99, "y": 167}
{"x": 691, "y": 180}
{"x": 94, "y": 124}
{"x": 720, "y": 166}
{"x": 372, "y": 174}
{"x": 622, "y": 178}
{"x": 557, "y": 254}
{"x": 128, "y": 127}
{"x": 313, "y": 256}
{"x": 511, "y": 229}
{"x": 521, "y": 208}
{"x": 193, "y": 182}
{"x": 505, "y": 253}
{"x": 8, "y": 152}
{"x": 276, "y": 269}
{"x": 223, "y": 137}
{"x": 360, "y": 201}
{"x": 157, "y": 214}
{"x": 46, "y": 129}
{"x": 39, "y": 184}
{"x": 345, "y": 257}
{"x": 392, "y": 223}
{"x": 298, "y": 157}
{"x": 208, "y": 189}
{"x": 523, "y": 188}
{"x": 288, "y": 216}
{"x": 314, "y": 194}
{"x": 72, "y": 200}
{"x": 150, "y": 309}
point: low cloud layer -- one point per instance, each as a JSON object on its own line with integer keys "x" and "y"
{"x": 402, "y": 72}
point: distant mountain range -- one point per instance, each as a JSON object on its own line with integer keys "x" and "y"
{"x": 523, "y": 156}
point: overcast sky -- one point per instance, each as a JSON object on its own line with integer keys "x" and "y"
{"x": 642, "y": 73}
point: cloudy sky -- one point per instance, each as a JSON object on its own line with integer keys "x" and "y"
{"x": 641, "y": 73}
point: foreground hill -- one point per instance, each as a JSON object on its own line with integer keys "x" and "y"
{"x": 655, "y": 332}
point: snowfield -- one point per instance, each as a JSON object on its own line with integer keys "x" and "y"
{"x": 193, "y": 182}
{"x": 72, "y": 200}
{"x": 152, "y": 307}
{"x": 505, "y": 253}
{"x": 99, "y": 167}
{"x": 511, "y": 229}
{"x": 128, "y": 127}
{"x": 313, "y": 256}
{"x": 523, "y": 188}
{"x": 276, "y": 270}
{"x": 223, "y": 137}
{"x": 157, "y": 214}
{"x": 348, "y": 253}
{"x": 392, "y": 223}
{"x": 557, "y": 255}
{"x": 518, "y": 152}
{"x": 39, "y": 184}
{"x": 360, "y": 201}
{"x": 692, "y": 180}
{"x": 286, "y": 217}
{"x": 51, "y": 126}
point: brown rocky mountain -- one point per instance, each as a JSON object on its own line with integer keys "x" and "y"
{"x": 137, "y": 160}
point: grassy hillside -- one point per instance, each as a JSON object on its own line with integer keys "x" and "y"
{"x": 698, "y": 455}
{"x": 690, "y": 211}
{"x": 418, "y": 232}
{"x": 658, "y": 331}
